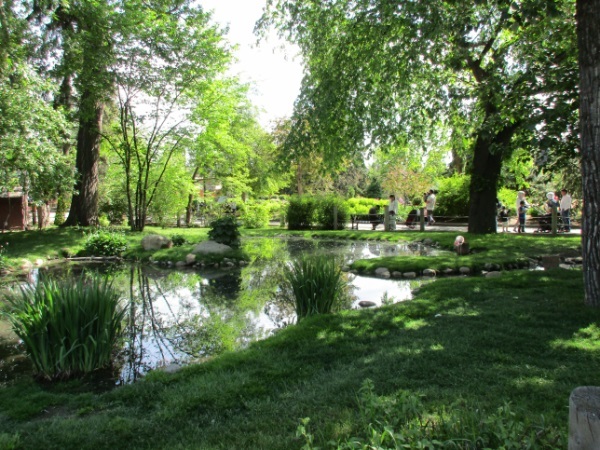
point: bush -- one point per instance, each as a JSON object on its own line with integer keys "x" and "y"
{"x": 301, "y": 212}
{"x": 256, "y": 215}
{"x": 68, "y": 329}
{"x": 452, "y": 198}
{"x": 105, "y": 243}
{"x": 315, "y": 285}
{"x": 225, "y": 231}
{"x": 324, "y": 212}
{"x": 178, "y": 240}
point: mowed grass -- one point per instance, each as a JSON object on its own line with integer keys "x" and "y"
{"x": 524, "y": 338}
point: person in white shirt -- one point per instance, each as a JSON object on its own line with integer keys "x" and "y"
{"x": 393, "y": 212}
{"x": 430, "y": 205}
{"x": 565, "y": 209}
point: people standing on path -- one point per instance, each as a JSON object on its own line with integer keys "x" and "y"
{"x": 393, "y": 212}
{"x": 374, "y": 216}
{"x": 522, "y": 216}
{"x": 520, "y": 198}
{"x": 565, "y": 210}
{"x": 430, "y": 205}
{"x": 504, "y": 219}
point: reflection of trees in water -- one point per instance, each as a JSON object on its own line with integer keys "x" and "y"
{"x": 174, "y": 317}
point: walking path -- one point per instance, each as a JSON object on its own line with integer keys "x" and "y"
{"x": 459, "y": 228}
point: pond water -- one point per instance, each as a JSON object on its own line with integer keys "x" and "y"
{"x": 175, "y": 317}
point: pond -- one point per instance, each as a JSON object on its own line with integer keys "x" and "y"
{"x": 175, "y": 317}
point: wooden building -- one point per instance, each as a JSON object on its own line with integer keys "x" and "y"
{"x": 14, "y": 212}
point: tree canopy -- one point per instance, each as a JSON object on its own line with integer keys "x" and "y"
{"x": 501, "y": 73}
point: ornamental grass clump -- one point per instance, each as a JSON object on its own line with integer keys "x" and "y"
{"x": 69, "y": 329}
{"x": 315, "y": 284}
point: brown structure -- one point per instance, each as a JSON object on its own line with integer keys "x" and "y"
{"x": 13, "y": 211}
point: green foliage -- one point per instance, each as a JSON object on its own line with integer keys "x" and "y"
{"x": 301, "y": 212}
{"x": 314, "y": 284}
{"x": 3, "y": 261}
{"x": 69, "y": 329}
{"x": 325, "y": 209}
{"x": 374, "y": 189}
{"x": 361, "y": 205}
{"x": 225, "y": 231}
{"x": 105, "y": 243}
{"x": 401, "y": 421}
{"x": 178, "y": 240}
{"x": 452, "y": 198}
{"x": 255, "y": 215}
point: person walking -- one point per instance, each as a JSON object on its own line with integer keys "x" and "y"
{"x": 393, "y": 212}
{"x": 565, "y": 210}
{"x": 430, "y": 205}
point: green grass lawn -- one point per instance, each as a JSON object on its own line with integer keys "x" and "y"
{"x": 473, "y": 347}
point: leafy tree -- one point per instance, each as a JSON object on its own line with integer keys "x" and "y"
{"x": 165, "y": 64}
{"x": 588, "y": 32}
{"x": 501, "y": 73}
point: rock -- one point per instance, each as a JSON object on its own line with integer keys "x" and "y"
{"x": 565, "y": 266}
{"x": 488, "y": 266}
{"x": 190, "y": 259}
{"x": 493, "y": 274}
{"x": 208, "y": 247}
{"x": 366, "y": 304}
{"x": 464, "y": 270}
{"x": 550, "y": 261}
{"x": 427, "y": 241}
{"x": 396, "y": 274}
{"x": 242, "y": 263}
{"x": 180, "y": 264}
{"x": 584, "y": 418}
{"x": 156, "y": 242}
{"x": 429, "y": 273}
{"x": 409, "y": 275}
{"x": 39, "y": 262}
{"x": 382, "y": 272}
{"x": 448, "y": 271}
{"x": 26, "y": 265}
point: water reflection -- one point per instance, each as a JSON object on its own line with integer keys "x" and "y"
{"x": 177, "y": 317}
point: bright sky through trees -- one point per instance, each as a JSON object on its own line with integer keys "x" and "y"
{"x": 274, "y": 72}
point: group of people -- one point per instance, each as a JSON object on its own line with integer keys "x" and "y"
{"x": 562, "y": 204}
{"x": 393, "y": 205}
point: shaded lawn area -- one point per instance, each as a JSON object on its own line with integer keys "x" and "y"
{"x": 524, "y": 338}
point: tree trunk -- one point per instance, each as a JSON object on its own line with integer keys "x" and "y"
{"x": 483, "y": 188}
{"x": 84, "y": 204}
{"x": 588, "y": 36}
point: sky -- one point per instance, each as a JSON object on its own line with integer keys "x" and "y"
{"x": 274, "y": 74}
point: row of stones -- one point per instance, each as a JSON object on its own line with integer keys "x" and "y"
{"x": 490, "y": 269}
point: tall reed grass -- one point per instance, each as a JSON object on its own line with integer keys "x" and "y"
{"x": 69, "y": 329}
{"x": 315, "y": 284}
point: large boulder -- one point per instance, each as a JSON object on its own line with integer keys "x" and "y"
{"x": 156, "y": 242}
{"x": 211, "y": 247}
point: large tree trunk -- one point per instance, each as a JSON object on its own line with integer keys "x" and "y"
{"x": 84, "y": 205}
{"x": 588, "y": 35}
{"x": 483, "y": 189}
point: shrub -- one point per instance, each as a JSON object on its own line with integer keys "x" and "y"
{"x": 315, "y": 285}
{"x": 225, "y": 231}
{"x": 68, "y": 329}
{"x": 256, "y": 215}
{"x": 178, "y": 240}
{"x": 324, "y": 212}
{"x": 105, "y": 243}
{"x": 301, "y": 212}
{"x": 452, "y": 198}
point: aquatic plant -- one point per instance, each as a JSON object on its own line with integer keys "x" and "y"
{"x": 69, "y": 329}
{"x": 315, "y": 284}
